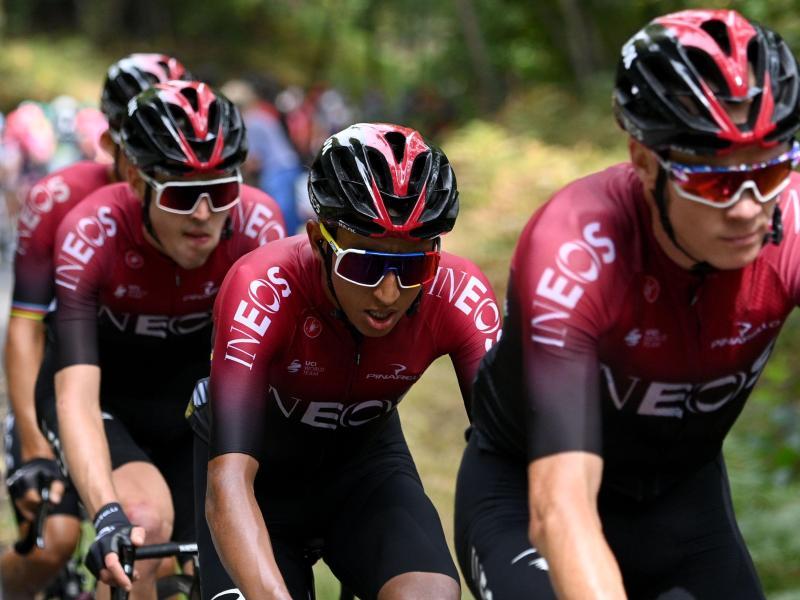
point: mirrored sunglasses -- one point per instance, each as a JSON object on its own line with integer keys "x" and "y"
{"x": 367, "y": 268}
{"x": 183, "y": 197}
{"x": 723, "y": 186}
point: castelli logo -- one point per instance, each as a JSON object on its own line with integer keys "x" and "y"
{"x": 134, "y": 260}
{"x": 651, "y": 289}
{"x": 312, "y": 327}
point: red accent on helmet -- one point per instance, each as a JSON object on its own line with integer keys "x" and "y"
{"x": 378, "y": 179}
{"x": 734, "y": 66}
{"x": 174, "y": 93}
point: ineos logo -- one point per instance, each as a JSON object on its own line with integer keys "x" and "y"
{"x": 268, "y": 301}
{"x": 487, "y": 316}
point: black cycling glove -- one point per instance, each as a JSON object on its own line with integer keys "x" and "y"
{"x": 33, "y": 475}
{"x": 113, "y": 533}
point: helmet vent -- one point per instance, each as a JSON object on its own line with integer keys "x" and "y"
{"x": 397, "y": 141}
{"x": 719, "y": 31}
{"x": 709, "y": 71}
{"x": 380, "y": 170}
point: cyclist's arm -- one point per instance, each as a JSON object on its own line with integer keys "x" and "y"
{"x": 238, "y": 529}
{"x": 82, "y": 434}
{"x": 565, "y": 526}
{"x": 23, "y": 351}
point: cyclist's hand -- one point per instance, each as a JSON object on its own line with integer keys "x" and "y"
{"x": 26, "y": 482}
{"x": 114, "y": 532}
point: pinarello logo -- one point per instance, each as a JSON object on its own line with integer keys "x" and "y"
{"x": 134, "y": 260}
{"x": 312, "y": 327}
{"x": 651, "y": 289}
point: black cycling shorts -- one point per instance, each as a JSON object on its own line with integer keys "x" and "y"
{"x": 142, "y": 432}
{"x": 367, "y": 517}
{"x": 682, "y": 545}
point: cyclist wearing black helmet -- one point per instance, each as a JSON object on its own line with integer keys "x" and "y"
{"x": 29, "y": 457}
{"x": 643, "y": 304}
{"x": 137, "y": 268}
{"x": 318, "y": 338}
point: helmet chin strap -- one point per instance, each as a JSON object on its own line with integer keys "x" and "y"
{"x": 148, "y": 224}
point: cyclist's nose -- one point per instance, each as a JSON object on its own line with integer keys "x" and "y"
{"x": 202, "y": 211}
{"x": 746, "y": 208}
{"x": 388, "y": 290}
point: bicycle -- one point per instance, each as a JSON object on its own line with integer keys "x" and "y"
{"x": 181, "y": 583}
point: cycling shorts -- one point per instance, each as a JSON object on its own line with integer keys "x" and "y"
{"x": 684, "y": 544}
{"x": 139, "y": 435}
{"x": 367, "y": 517}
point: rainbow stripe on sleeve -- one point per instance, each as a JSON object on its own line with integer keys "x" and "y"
{"x": 35, "y": 312}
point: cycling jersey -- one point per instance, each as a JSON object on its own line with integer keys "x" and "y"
{"x": 45, "y": 206}
{"x": 121, "y": 300}
{"x": 610, "y": 347}
{"x": 290, "y": 378}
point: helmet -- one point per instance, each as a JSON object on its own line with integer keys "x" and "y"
{"x": 380, "y": 180}
{"x": 181, "y": 127}
{"x": 131, "y": 76}
{"x": 29, "y": 129}
{"x": 675, "y": 76}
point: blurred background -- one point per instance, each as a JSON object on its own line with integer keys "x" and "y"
{"x": 517, "y": 94}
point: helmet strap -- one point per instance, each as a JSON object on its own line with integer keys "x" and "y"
{"x": 227, "y": 229}
{"x": 660, "y": 196}
{"x": 148, "y": 224}
{"x": 776, "y": 233}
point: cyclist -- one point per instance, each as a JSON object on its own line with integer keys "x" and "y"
{"x": 318, "y": 338}
{"x": 643, "y": 304}
{"x": 137, "y": 267}
{"x": 28, "y": 455}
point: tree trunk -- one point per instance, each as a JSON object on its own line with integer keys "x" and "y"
{"x": 490, "y": 93}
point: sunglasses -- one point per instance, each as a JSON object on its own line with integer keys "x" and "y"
{"x": 367, "y": 268}
{"x": 722, "y": 187}
{"x": 183, "y": 197}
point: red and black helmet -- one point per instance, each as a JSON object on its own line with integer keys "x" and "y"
{"x": 182, "y": 127}
{"x": 676, "y": 76}
{"x": 377, "y": 180}
{"x": 131, "y": 76}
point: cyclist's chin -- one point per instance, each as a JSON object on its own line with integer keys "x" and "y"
{"x": 731, "y": 256}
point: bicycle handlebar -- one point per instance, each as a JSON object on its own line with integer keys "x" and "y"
{"x": 35, "y": 535}
{"x": 130, "y": 554}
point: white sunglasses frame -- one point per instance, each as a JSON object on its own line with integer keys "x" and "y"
{"x": 159, "y": 187}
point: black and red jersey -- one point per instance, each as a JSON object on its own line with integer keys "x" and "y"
{"x": 289, "y": 376}
{"x": 46, "y": 204}
{"x": 129, "y": 308}
{"x": 610, "y": 347}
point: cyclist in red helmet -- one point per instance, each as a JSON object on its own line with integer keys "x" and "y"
{"x": 318, "y": 338}
{"x": 137, "y": 267}
{"x": 643, "y": 304}
{"x": 29, "y": 457}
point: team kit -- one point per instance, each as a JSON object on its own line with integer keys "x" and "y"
{"x": 183, "y": 367}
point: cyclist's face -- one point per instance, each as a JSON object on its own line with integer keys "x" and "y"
{"x": 374, "y": 312}
{"x": 726, "y": 238}
{"x": 187, "y": 239}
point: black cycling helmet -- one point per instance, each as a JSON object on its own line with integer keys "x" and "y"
{"x": 132, "y": 75}
{"x": 378, "y": 180}
{"x": 182, "y": 127}
{"x": 676, "y": 74}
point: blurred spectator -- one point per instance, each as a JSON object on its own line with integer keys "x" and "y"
{"x": 90, "y": 124}
{"x": 272, "y": 162}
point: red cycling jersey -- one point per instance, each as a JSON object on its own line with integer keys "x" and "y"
{"x": 45, "y": 206}
{"x": 291, "y": 378}
{"x": 123, "y": 304}
{"x": 610, "y": 347}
